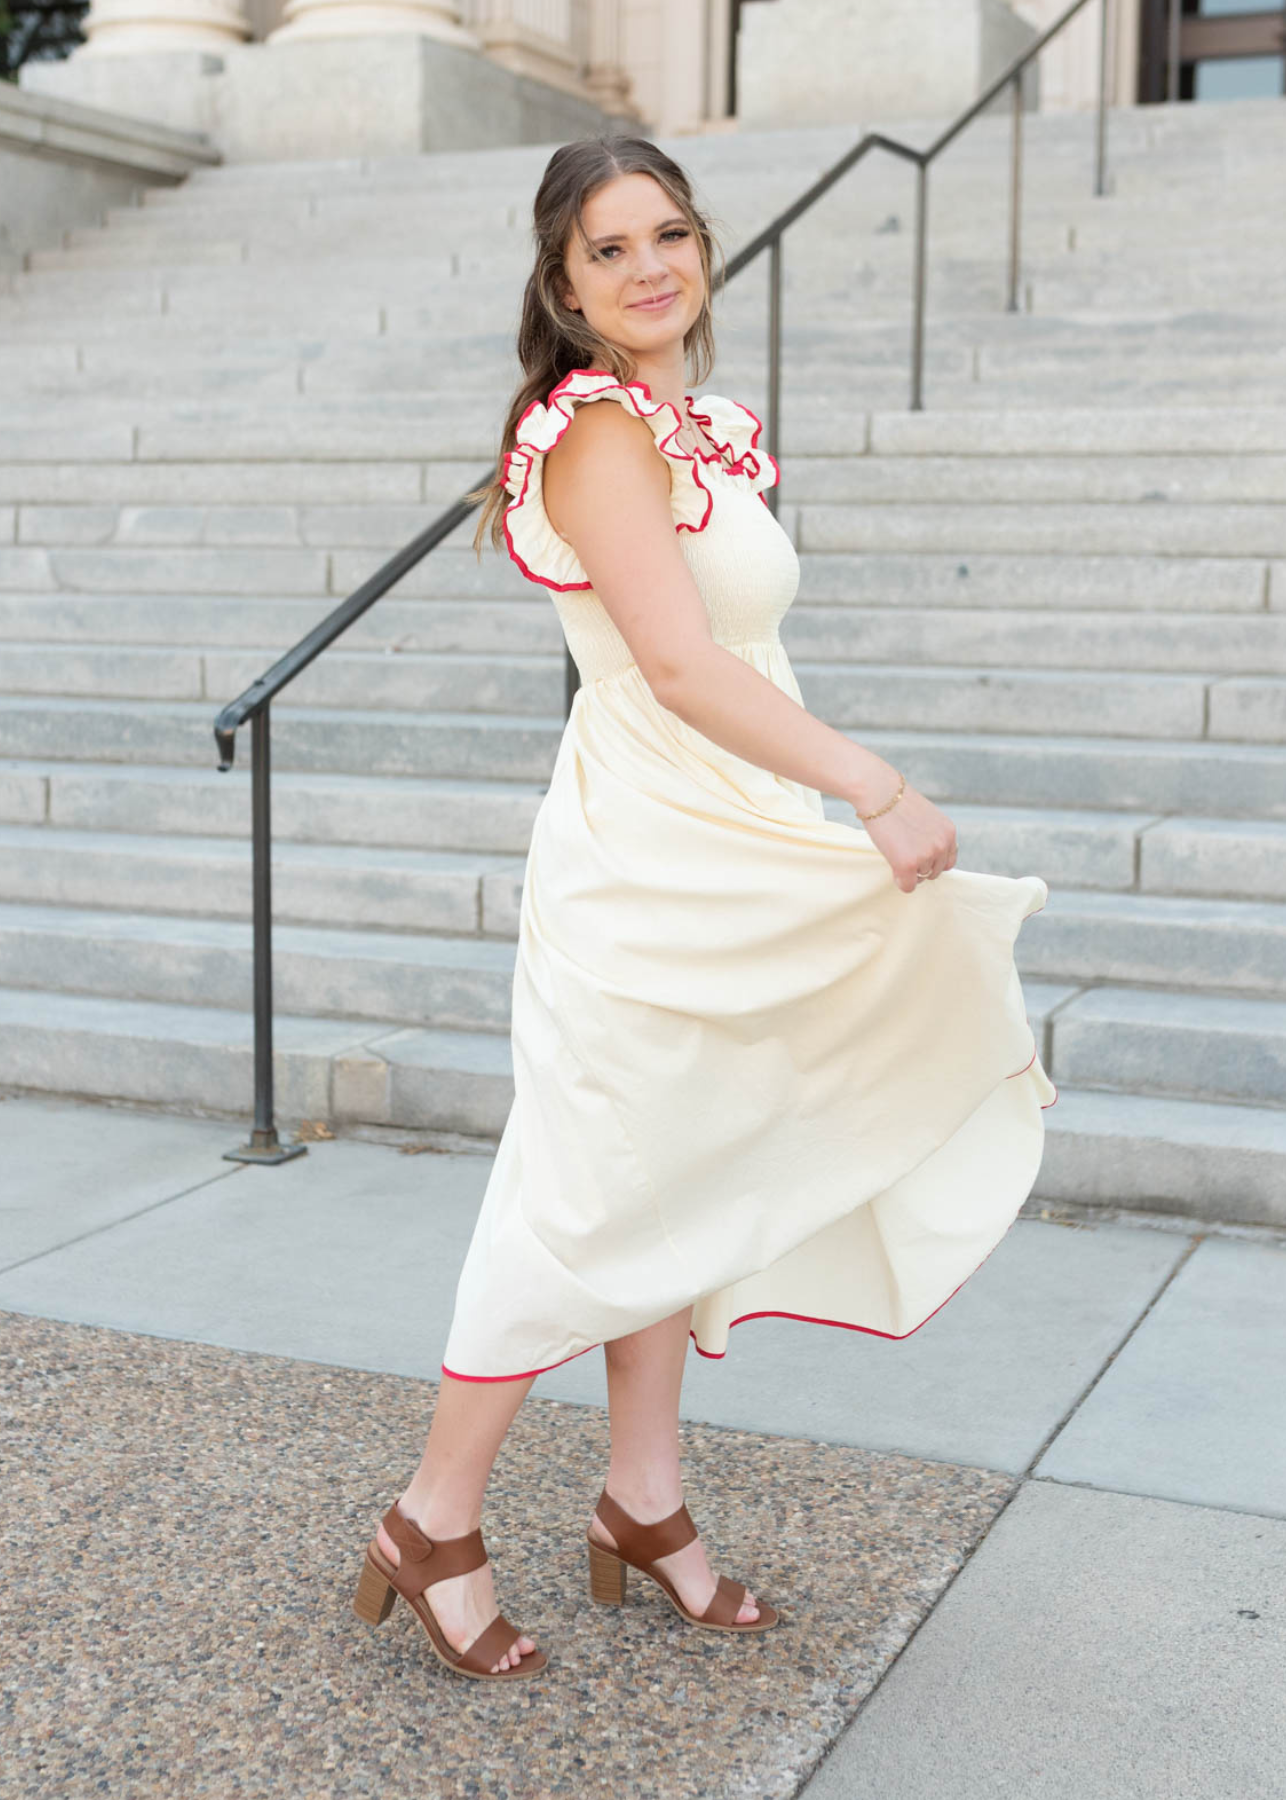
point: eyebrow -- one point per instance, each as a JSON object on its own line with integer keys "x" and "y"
{"x": 616, "y": 237}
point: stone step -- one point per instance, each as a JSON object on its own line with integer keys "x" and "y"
{"x": 930, "y": 480}
{"x": 1202, "y": 778}
{"x": 1036, "y": 639}
{"x": 402, "y": 812}
{"x": 391, "y": 427}
{"x": 408, "y": 977}
{"x": 1127, "y": 386}
{"x": 387, "y": 889}
{"x": 306, "y": 218}
{"x": 1202, "y": 1046}
{"x": 913, "y": 580}
{"x": 369, "y": 741}
{"x": 464, "y": 980}
{"x": 513, "y": 627}
{"x": 1006, "y": 528}
{"x": 78, "y": 490}
{"x": 884, "y": 695}
{"x": 449, "y": 975}
{"x": 1215, "y": 858}
{"x": 202, "y": 1059}
{"x": 233, "y": 274}
{"x": 71, "y": 359}
{"x": 1213, "y": 530}
{"x": 898, "y": 696}
{"x": 82, "y": 834}
{"x": 1071, "y": 846}
{"x": 206, "y": 578}
{"x": 1237, "y": 947}
{"x": 475, "y": 682}
{"x": 86, "y": 486}
{"x": 957, "y": 377}
{"x": 1205, "y": 1160}
{"x": 1082, "y": 431}
{"x": 385, "y": 235}
{"x": 815, "y": 429}
{"x": 54, "y": 642}
{"x": 1221, "y": 780}
{"x": 105, "y": 338}
{"x": 1131, "y": 386}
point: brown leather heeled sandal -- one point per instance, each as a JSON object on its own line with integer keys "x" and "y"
{"x": 640, "y": 1546}
{"x": 423, "y": 1563}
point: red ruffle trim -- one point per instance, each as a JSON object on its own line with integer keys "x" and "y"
{"x": 541, "y": 427}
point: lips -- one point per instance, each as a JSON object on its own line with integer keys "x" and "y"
{"x": 655, "y": 305}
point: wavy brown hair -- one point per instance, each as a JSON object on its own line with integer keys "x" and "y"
{"x": 554, "y": 339}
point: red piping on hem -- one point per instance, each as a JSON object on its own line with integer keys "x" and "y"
{"x": 896, "y": 1337}
{"x": 715, "y": 1355}
{"x": 527, "y": 1373}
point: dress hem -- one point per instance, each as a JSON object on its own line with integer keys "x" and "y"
{"x": 896, "y": 1337}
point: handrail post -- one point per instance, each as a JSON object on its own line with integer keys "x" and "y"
{"x": 1015, "y": 192}
{"x": 1172, "y": 51}
{"x": 917, "y": 310}
{"x": 571, "y": 681}
{"x": 264, "y": 1145}
{"x": 771, "y": 495}
{"x": 1106, "y": 35}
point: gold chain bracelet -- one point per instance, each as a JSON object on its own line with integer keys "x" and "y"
{"x": 890, "y": 804}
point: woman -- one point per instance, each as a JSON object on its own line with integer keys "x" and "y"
{"x": 764, "y": 1062}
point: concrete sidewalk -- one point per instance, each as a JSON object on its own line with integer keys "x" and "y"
{"x": 1036, "y": 1550}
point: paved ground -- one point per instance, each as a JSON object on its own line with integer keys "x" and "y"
{"x": 1037, "y": 1551}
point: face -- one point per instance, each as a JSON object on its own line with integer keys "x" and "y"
{"x": 649, "y": 250}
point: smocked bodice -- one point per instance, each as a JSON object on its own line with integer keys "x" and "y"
{"x": 743, "y": 563}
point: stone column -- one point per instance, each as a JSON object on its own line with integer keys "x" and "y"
{"x": 605, "y": 78}
{"x": 128, "y": 27}
{"x": 304, "y": 19}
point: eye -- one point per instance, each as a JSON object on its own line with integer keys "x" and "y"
{"x": 675, "y": 231}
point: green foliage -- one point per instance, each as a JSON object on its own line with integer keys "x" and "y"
{"x": 38, "y": 31}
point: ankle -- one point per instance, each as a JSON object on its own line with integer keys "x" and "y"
{"x": 438, "y": 1514}
{"x": 647, "y": 1495}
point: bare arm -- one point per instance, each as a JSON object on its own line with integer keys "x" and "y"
{"x": 608, "y": 493}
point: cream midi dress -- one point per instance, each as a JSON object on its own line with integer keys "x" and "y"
{"x": 750, "y": 1072}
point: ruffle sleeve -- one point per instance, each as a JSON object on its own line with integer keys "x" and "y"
{"x": 736, "y": 431}
{"x": 534, "y": 545}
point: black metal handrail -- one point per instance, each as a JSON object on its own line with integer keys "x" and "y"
{"x": 254, "y": 703}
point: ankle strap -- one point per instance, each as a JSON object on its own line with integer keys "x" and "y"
{"x": 645, "y": 1543}
{"x": 424, "y": 1560}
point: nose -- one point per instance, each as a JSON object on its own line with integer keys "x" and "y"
{"x": 648, "y": 267}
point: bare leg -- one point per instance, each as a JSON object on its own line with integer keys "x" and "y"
{"x": 644, "y": 1376}
{"x": 444, "y": 1498}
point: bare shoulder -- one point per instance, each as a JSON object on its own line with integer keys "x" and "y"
{"x": 604, "y": 449}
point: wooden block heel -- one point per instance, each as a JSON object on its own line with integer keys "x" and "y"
{"x": 373, "y": 1601}
{"x": 607, "y": 1576}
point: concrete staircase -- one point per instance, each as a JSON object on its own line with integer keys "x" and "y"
{"x": 1057, "y": 597}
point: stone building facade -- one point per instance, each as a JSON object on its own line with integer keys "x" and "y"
{"x": 273, "y": 78}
